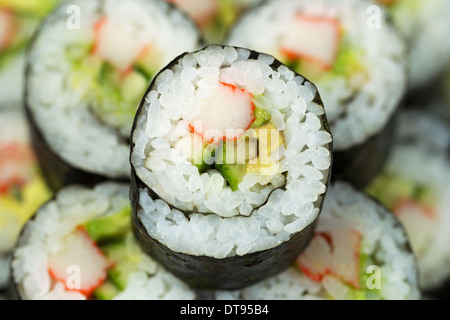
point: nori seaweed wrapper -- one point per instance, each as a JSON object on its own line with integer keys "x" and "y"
{"x": 231, "y": 273}
{"x": 7, "y": 290}
{"x": 10, "y": 292}
{"x": 440, "y": 293}
{"x": 360, "y": 164}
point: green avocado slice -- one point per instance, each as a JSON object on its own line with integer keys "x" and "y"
{"x": 111, "y": 227}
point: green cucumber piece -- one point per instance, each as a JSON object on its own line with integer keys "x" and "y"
{"x": 125, "y": 256}
{"x": 107, "y": 291}
{"x": 206, "y": 161}
{"x": 120, "y": 273}
{"x": 37, "y": 8}
{"x": 233, "y": 173}
{"x": 262, "y": 117}
{"x": 133, "y": 87}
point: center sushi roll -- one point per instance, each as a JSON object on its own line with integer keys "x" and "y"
{"x": 231, "y": 157}
{"x": 80, "y": 246}
{"x": 86, "y": 74}
{"x": 360, "y": 71}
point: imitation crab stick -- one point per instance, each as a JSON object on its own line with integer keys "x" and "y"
{"x": 80, "y": 258}
{"x": 410, "y": 206}
{"x": 116, "y": 46}
{"x": 231, "y": 114}
{"x": 313, "y": 39}
{"x": 15, "y": 165}
{"x": 335, "y": 253}
{"x": 419, "y": 220}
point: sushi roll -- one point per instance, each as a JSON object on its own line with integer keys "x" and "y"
{"x": 360, "y": 72}
{"x": 85, "y": 77}
{"x": 231, "y": 157}
{"x": 22, "y": 187}
{"x": 80, "y": 246}
{"x": 18, "y": 21}
{"x": 425, "y": 26}
{"x": 359, "y": 252}
{"x": 214, "y": 17}
{"x": 414, "y": 185}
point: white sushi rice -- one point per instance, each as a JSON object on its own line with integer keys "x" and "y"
{"x": 354, "y": 114}
{"x": 383, "y": 238}
{"x": 160, "y": 286}
{"x": 45, "y": 235}
{"x": 61, "y": 112}
{"x": 241, "y": 221}
{"x": 420, "y": 154}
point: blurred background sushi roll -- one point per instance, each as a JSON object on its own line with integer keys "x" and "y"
{"x": 359, "y": 252}
{"x": 87, "y": 70}
{"x": 425, "y": 25}
{"x": 231, "y": 157}
{"x": 18, "y": 21}
{"x": 415, "y": 186}
{"x": 80, "y": 246}
{"x": 22, "y": 187}
{"x": 214, "y": 17}
{"x": 360, "y": 71}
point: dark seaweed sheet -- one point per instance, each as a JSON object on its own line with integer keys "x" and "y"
{"x": 440, "y": 293}
{"x": 360, "y": 164}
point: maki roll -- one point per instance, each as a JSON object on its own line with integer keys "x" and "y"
{"x": 214, "y": 17}
{"x": 360, "y": 72}
{"x": 359, "y": 252}
{"x": 414, "y": 185}
{"x": 425, "y": 26}
{"x": 80, "y": 246}
{"x": 18, "y": 20}
{"x": 231, "y": 158}
{"x": 84, "y": 83}
{"x": 22, "y": 187}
